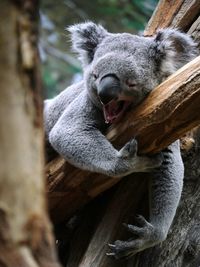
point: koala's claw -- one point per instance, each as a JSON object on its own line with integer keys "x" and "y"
{"x": 120, "y": 250}
{"x": 130, "y": 149}
{"x": 146, "y": 236}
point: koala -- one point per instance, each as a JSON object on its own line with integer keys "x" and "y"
{"x": 120, "y": 70}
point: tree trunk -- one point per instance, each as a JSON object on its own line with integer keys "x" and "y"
{"x": 25, "y": 232}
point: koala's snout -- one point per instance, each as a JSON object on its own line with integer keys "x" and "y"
{"x": 108, "y": 88}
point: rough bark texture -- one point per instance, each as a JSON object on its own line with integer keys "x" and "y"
{"x": 176, "y": 14}
{"x": 25, "y": 232}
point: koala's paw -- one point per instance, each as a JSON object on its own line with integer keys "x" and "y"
{"x": 135, "y": 163}
{"x": 146, "y": 236}
{"x": 129, "y": 150}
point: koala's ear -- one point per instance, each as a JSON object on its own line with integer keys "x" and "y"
{"x": 173, "y": 50}
{"x": 85, "y": 39}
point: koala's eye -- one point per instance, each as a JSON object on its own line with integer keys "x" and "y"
{"x": 94, "y": 75}
{"x": 130, "y": 83}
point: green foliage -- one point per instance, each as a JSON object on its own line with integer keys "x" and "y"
{"x": 132, "y": 14}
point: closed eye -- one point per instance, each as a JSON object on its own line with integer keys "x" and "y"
{"x": 130, "y": 83}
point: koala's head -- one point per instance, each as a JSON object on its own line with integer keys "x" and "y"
{"x": 121, "y": 69}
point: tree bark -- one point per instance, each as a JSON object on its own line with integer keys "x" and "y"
{"x": 176, "y": 14}
{"x": 25, "y": 232}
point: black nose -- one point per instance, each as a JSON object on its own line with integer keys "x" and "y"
{"x": 109, "y": 88}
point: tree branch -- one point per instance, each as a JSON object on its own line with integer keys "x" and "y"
{"x": 176, "y": 14}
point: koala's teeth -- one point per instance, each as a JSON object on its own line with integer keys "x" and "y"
{"x": 110, "y": 254}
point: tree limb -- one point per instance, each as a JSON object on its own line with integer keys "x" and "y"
{"x": 176, "y": 14}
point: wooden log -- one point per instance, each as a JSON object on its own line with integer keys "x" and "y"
{"x": 25, "y": 232}
{"x": 187, "y": 14}
{"x": 176, "y": 14}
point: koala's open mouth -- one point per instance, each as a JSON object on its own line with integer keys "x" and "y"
{"x": 114, "y": 110}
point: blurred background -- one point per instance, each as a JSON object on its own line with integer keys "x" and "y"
{"x": 60, "y": 67}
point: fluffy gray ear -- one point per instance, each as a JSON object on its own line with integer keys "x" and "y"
{"x": 85, "y": 39}
{"x": 173, "y": 50}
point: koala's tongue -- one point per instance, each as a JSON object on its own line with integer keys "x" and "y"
{"x": 114, "y": 110}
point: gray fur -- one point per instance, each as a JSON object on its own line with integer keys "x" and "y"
{"x": 120, "y": 68}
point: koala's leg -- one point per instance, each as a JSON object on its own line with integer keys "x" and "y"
{"x": 166, "y": 187}
{"x": 77, "y": 137}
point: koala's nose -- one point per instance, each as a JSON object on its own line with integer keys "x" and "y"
{"x": 109, "y": 88}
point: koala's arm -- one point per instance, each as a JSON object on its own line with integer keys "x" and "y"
{"x": 165, "y": 192}
{"x": 77, "y": 137}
